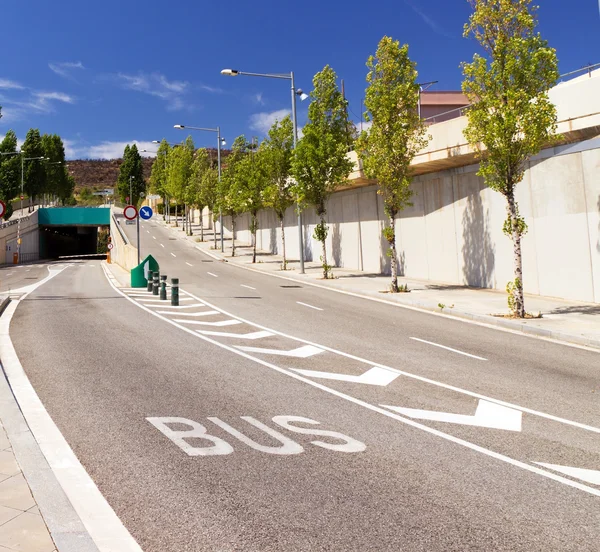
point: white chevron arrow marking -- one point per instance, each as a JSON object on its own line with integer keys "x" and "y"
{"x": 220, "y": 323}
{"x": 488, "y": 414}
{"x": 202, "y": 313}
{"x": 301, "y": 352}
{"x": 251, "y": 335}
{"x": 589, "y": 476}
{"x": 373, "y": 376}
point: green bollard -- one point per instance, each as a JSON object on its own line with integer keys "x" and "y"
{"x": 155, "y": 283}
{"x": 174, "y": 292}
{"x": 163, "y": 287}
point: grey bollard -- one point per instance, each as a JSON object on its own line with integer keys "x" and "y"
{"x": 155, "y": 284}
{"x": 163, "y": 287}
{"x": 174, "y": 292}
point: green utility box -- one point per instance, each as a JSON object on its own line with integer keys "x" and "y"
{"x": 140, "y": 274}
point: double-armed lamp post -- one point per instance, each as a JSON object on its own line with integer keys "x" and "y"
{"x": 220, "y": 141}
{"x": 303, "y": 96}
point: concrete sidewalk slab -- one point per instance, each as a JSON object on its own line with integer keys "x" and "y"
{"x": 568, "y": 321}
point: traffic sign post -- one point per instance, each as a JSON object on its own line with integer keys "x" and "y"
{"x": 130, "y": 212}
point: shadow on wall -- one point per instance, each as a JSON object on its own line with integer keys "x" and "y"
{"x": 385, "y": 262}
{"x": 598, "y": 242}
{"x": 273, "y": 245}
{"x": 336, "y": 244}
{"x": 478, "y": 250}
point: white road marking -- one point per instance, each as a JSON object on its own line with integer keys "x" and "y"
{"x": 309, "y": 306}
{"x": 92, "y": 265}
{"x": 28, "y": 270}
{"x": 147, "y": 231}
{"x": 406, "y": 421}
{"x": 301, "y": 352}
{"x": 373, "y": 376}
{"x": 251, "y": 335}
{"x": 247, "y": 287}
{"x": 205, "y": 313}
{"x": 153, "y": 237}
{"x": 488, "y": 414}
{"x": 589, "y": 476}
{"x": 448, "y": 348}
{"x": 164, "y": 300}
{"x": 165, "y": 304}
{"x": 220, "y": 323}
{"x": 173, "y": 254}
{"x": 189, "y": 264}
{"x": 161, "y": 245}
{"x": 212, "y": 274}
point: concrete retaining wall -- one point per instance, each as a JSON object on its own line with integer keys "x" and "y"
{"x": 123, "y": 253}
{"x": 453, "y": 232}
{"x": 30, "y": 240}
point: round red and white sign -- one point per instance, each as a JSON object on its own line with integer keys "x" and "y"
{"x": 2, "y": 208}
{"x": 110, "y": 246}
{"x": 130, "y": 212}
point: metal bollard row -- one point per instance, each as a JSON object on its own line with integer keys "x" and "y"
{"x": 175, "y": 292}
{"x": 155, "y": 283}
{"x": 163, "y": 287}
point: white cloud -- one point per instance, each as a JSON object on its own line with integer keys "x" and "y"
{"x": 366, "y": 125}
{"x": 7, "y": 84}
{"x": 258, "y": 98}
{"x": 262, "y": 122}
{"x": 106, "y": 149}
{"x": 211, "y": 89}
{"x": 65, "y": 68}
{"x": 36, "y": 102}
{"x": 156, "y": 84}
{"x": 58, "y": 96}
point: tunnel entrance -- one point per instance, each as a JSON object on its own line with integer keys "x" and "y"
{"x": 61, "y": 241}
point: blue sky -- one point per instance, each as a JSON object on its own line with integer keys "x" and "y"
{"x": 109, "y": 73}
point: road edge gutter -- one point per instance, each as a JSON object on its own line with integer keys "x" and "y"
{"x": 85, "y": 522}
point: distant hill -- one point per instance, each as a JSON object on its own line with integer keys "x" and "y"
{"x": 103, "y": 173}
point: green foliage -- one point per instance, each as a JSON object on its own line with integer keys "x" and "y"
{"x": 229, "y": 189}
{"x": 319, "y": 164}
{"x": 57, "y": 181}
{"x": 158, "y": 175}
{"x": 131, "y": 168}
{"x": 512, "y": 290}
{"x": 397, "y": 133}
{"x": 516, "y": 223}
{"x": 389, "y": 234}
{"x": 10, "y": 168}
{"x": 277, "y": 151}
{"x": 511, "y": 117}
{"x": 179, "y": 170}
{"x": 320, "y": 232}
{"x": 200, "y": 165}
{"x": 34, "y": 174}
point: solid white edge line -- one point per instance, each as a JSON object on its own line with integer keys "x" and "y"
{"x": 212, "y": 274}
{"x": 92, "y": 508}
{"x": 309, "y": 306}
{"x": 422, "y": 310}
{"x": 406, "y": 421}
{"x": 448, "y": 348}
{"x": 161, "y": 245}
{"x": 248, "y": 287}
{"x": 188, "y": 264}
{"x": 173, "y": 254}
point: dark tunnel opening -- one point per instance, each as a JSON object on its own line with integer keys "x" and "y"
{"x": 62, "y": 241}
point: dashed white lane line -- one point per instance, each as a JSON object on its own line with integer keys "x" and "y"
{"x": 153, "y": 237}
{"x": 173, "y": 254}
{"x": 147, "y": 231}
{"x": 448, "y": 348}
{"x": 214, "y": 275}
{"x": 247, "y": 287}
{"x": 309, "y": 306}
{"x": 189, "y": 264}
{"x": 161, "y": 245}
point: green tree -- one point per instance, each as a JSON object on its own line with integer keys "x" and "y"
{"x": 56, "y": 174}
{"x": 229, "y": 194}
{"x": 250, "y": 183}
{"x": 158, "y": 175}
{"x": 179, "y": 167}
{"x": 10, "y": 170}
{"x": 511, "y": 116}
{"x": 396, "y": 135}
{"x": 34, "y": 174}
{"x": 66, "y": 195}
{"x": 131, "y": 176}
{"x": 320, "y": 165}
{"x": 276, "y": 153}
{"x": 208, "y": 194}
{"x": 200, "y": 166}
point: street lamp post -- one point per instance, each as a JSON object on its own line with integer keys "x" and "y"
{"x": 219, "y": 142}
{"x": 303, "y": 96}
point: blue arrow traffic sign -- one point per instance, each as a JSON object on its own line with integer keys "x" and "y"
{"x": 146, "y": 213}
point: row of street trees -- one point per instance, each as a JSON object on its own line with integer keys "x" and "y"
{"x": 510, "y": 119}
{"x": 40, "y": 177}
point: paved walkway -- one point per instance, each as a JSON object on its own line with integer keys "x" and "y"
{"x": 564, "y": 320}
{"x": 22, "y": 528}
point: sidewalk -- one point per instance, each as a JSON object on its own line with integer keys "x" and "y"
{"x": 568, "y": 321}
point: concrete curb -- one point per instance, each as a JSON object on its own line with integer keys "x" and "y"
{"x": 482, "y": 319}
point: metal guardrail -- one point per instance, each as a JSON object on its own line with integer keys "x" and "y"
{"x": 118, "y": 225}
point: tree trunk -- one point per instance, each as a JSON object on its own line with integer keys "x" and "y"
{"x": 254, "y": 223}
{"x": 394, "y": 257}
{"x": 233, "y": 235}
{"x": 191, "y": 220}
{"x": 283, "y": 242}
{"x": 201, "y": 217}
{"x": 176, "y": 215}
{"x": 519, "y": 299}
{"x": 214, "y": 230}
{"x": 323, "y": 243}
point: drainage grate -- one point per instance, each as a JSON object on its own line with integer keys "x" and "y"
{"x": 291, "y": 287}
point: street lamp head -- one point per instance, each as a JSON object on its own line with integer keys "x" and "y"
{"x": 223, "y": 142}
{"x": 179, "y": 126}
{"x": 156, "y": 141}
{"x": 302, "y": 95}
{"x": 230, "y": 72}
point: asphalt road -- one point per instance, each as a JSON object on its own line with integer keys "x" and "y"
{"x": 469, "y": 479}
{"x": 17, "y": 276}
